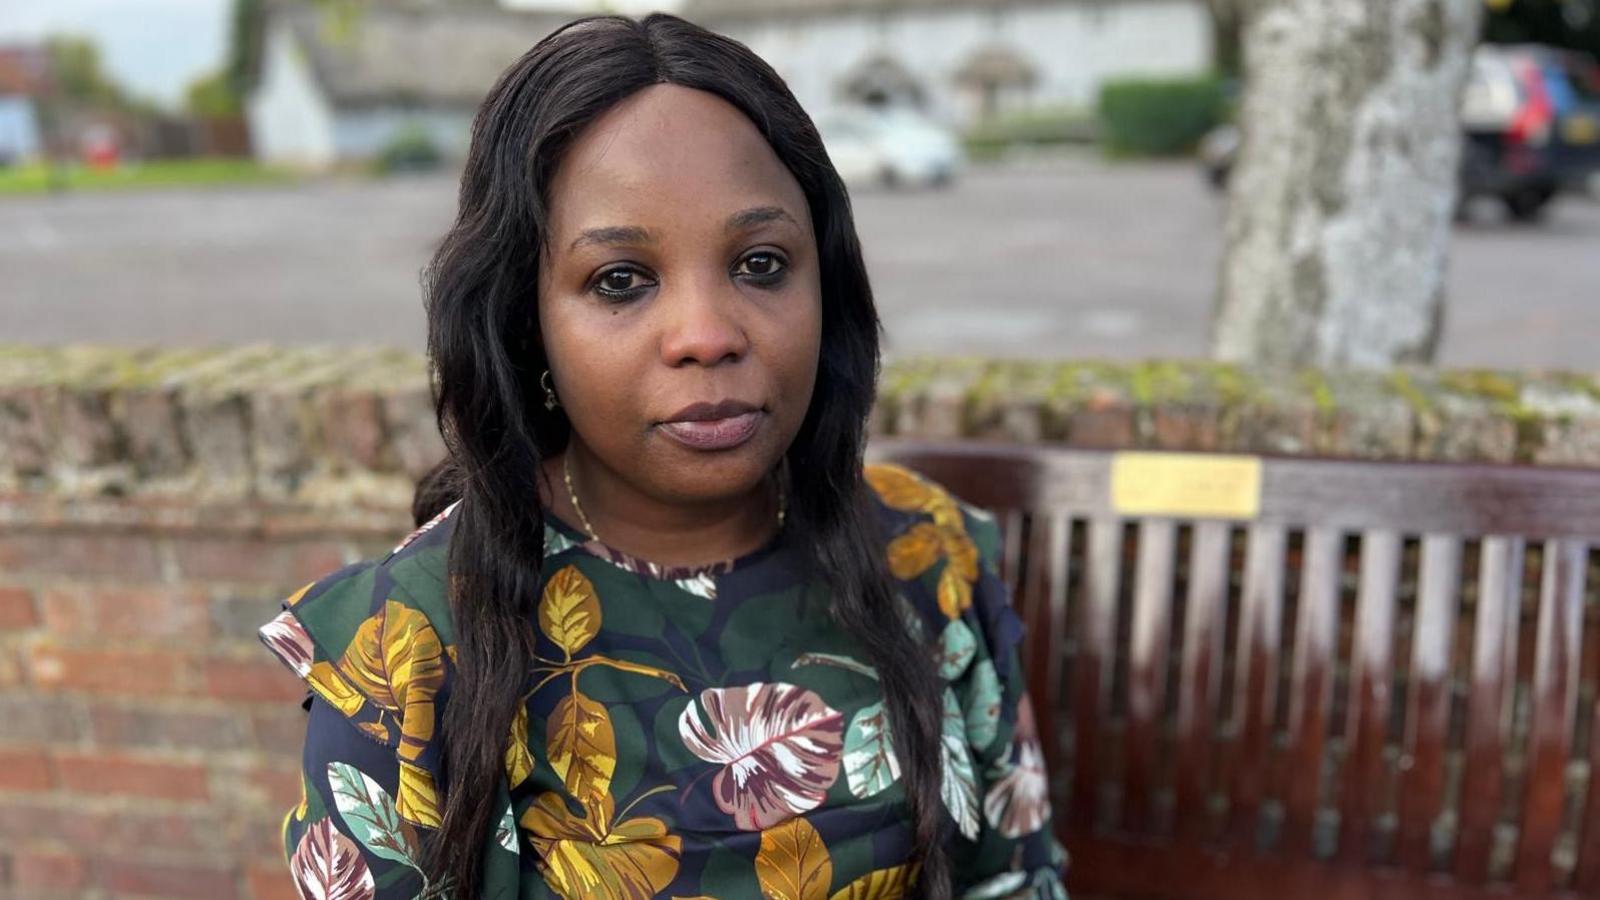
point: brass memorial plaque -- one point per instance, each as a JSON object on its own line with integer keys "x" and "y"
{"x": 1186, "y": 485}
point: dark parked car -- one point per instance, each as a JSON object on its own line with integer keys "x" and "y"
{"x": 1530, "y": 122}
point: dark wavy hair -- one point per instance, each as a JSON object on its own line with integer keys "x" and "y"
{"x": 486, "y": 355}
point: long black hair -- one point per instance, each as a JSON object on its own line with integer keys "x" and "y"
{"x": 487, "y": 354}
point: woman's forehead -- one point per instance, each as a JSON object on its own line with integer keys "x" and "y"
{"x": 668, "y": 155}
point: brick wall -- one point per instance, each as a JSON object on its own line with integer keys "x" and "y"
{"x": 155, "y": 506}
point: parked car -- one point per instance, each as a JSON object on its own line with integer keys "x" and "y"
{"x": 1532, "y": 121}
{"x": 891, "y": 148}
{"x": 1530, "y": 126}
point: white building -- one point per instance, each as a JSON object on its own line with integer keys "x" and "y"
{"x": 961, "y": 59}
{"x": 327, "y": 92}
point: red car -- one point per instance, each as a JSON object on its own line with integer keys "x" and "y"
{"x": 1532, "y": 121}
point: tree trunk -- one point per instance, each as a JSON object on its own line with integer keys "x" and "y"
{"x": 1342, "y": 198}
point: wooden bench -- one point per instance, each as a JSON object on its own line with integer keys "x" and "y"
{"x": 1345, "y": 680}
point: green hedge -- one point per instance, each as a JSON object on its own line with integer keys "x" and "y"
{"x": 1160, "y": 117}
{"x": 1043, "y": 127}
{"x": 410, "y": 149}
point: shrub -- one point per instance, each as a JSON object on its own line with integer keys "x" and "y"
{"x": 1160, "y": 117}
{"x": 410, "y": 149}
{"x": 1042, "y": 127}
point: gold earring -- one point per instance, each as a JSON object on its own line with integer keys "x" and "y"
{"x": 550, "y": 401}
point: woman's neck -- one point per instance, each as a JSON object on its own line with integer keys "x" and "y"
{"x": 654, "y": 530}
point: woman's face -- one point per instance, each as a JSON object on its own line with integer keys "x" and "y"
{"x": 680, "y": 297}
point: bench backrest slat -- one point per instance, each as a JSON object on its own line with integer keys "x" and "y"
{"x": 1375, "y": 678}
{"x": 1493, "y": 677}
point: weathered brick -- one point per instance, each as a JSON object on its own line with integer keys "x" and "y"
{"x": 126, "y": 557}
{"x": 1280, "y": 425}
{"x": 275, "y": 787}
{"x": 352, "y": 427}
{"x": 270, "y": 881}
{"x": 30, "y": 419}
{"x": 138, "y": 613}
{"x": 140, "y": 672}
{"x": 215, "y": 427}
{"x": 88, "y": 438}
{"x": 148, "y": 419}
{"x": 413, "y": 430}
{"x": 35, "y": 718}
{"x": 17, "y": 610}
{"x": 1189, "y": 427}
{"x": 282, "y": 434}
{"x": 1568, "y": 443}
{"x": 241, "y": 559}
{"x": 279, "y": 730}
{"x": 107, "y": 773}
{"x": 238, "y": 618}
{"x": 1105, "y": 421}
{"x": 11, "y": 668}
{"x": 39, "y": 870}
{"x": 123, "y": 877}
{"x": 163, "y": 725}
{"x": 189, "y": 830}
{"x": 263, "y": 681}
{"x": 25, "y": 770}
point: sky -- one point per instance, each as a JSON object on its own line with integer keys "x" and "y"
{"x": 155, "y": 48}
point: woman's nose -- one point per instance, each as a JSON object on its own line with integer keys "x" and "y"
{"x": 702, "y": 327}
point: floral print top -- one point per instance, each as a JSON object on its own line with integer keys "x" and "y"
{"x": 686, "y": 733}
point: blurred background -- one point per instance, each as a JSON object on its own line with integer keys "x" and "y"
{"x": 1361, "y": 229}
{"x": 1039, "y": 178}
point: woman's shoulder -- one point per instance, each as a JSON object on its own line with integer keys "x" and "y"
{"x": 944, "y": 554}
{"x": 352, "y": 633}
{"x": 925, "y": 524}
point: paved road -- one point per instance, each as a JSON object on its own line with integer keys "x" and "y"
{"x": 1065, "y": 258}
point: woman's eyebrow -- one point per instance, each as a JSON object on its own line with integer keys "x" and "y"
{"x": 614, "y": 235}
{"x": 629, "y": 235}
{"x": 759, "y": 215}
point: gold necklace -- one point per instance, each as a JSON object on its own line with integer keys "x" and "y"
{"x": 566, "y": 475}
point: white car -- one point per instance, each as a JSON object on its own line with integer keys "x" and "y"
{"x": 892, "y": 148}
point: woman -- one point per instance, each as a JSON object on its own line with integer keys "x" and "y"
{"x": 672, "y": 639}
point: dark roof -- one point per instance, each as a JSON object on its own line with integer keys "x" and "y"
{"x": 729, "y": 10}
{"x": 997, "y": 64}
{"x": 24, "y": 69}
{"x": 442, "y": 53}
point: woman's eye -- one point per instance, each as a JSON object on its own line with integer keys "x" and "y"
{"x": 621, "y": 284}
{"x": 762, "y": 266}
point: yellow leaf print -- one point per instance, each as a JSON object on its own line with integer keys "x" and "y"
{"x": 900, "y": 488}
{"x": 925, "y": 543}
{"x": 417, "y": 800}
{"x": 623, "y": 665}
{"x": 569, "y": 611}
{"x": 519, "y": 759}
{"x": 793, "y": 863}
{"x": 882, "y": 884}
{"x": 334, "y": 689}
{"x": 582, "y": 746}
{"x": 396, "y": 660}
{"x": 915, "y": 552}
{"x": 590, "y": 857}
{"x": 955, "y": 593}
{"x": 379, "y": 731}
{"x": 962, "y": 553}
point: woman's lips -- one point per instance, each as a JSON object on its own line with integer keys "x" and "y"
{"x": 714, "y": 434}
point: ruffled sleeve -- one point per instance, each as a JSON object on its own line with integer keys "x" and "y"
{"x": 373, "y": 665}
{"x": 994, "y": 785}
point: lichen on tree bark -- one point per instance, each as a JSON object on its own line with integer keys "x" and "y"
{"x": 1342, "y": 198}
